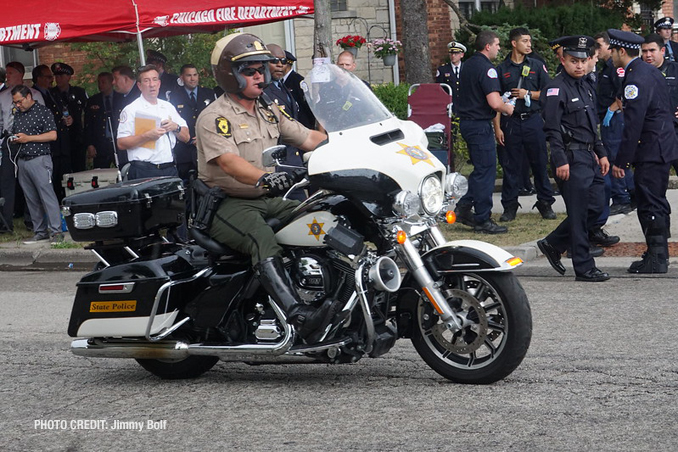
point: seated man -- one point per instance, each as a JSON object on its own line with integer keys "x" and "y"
{"x": 232, "y": 133}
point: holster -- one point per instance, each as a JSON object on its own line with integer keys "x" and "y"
{"x": 204, "y": 204}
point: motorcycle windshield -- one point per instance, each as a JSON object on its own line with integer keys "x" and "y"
{"x": 340, "y": 100}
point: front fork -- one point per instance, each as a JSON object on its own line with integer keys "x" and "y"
{"x": 415, "y": 265}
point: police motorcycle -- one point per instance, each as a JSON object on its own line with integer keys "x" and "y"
{"x": 368, "y": 236}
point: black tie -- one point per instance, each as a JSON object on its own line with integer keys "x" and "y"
{"x": 456, "y": 71}
{"x": 193, "y": 101}
{"x": 107, "y": 104}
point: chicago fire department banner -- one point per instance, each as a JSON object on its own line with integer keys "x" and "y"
{"x": 123, "y": 20}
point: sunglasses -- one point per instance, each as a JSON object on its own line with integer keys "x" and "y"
{"x": 250, "y": 71}
{"x": 278, "y": 61}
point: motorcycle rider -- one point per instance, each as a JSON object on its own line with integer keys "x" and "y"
{"x": 232, "y": 133}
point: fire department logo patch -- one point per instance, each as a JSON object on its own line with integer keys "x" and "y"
{"x": 52, "y": 31}
{"x": 316, "y": 229}
{"x": 224, "y": 127}
{"x": 631, "y": 92}
{"x": 620, "y": 72}
{"x": 163, "y": 21}
{"x": 415, "y": 153}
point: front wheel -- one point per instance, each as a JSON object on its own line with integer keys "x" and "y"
{"x": 496, "y": 328}
{"x": 190, "y": 367}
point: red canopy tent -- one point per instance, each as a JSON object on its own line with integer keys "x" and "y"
{"x": 126, "y": 20}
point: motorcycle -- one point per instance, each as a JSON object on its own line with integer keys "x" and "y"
{"x": 368, "y": 236}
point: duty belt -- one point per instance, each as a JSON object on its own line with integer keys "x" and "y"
{"x": 154, "y": 165}
{"x": 580, "y": 146}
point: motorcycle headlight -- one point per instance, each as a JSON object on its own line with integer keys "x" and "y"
{"x": 456, "y": 185}
{"x": 431, "y": 194}
{"x": 406, "y": 204}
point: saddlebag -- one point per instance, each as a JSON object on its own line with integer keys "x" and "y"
{"x": 130, "y": 209}
{"x": 118, "y": 301}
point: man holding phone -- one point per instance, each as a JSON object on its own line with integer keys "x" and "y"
{"x": 149, "y": 129}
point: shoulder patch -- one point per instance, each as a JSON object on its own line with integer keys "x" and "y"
{"x": 123, "y": 117}
{"x": 630, "y": 92}
{"x": 552, "y": 92}
{"x": 621, "y": 72}
{"x": 492, "y": 73}
{"x": 224, "y": 127}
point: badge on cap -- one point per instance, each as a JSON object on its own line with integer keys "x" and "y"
{"x": 582, "y": 42}
{"x": 492, "y": 73}
{"x": 631, "y": 92}
{"x": 223, "y": 127}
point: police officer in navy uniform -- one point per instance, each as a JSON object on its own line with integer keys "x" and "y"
{"x": 478, "y": 104}
{"x": 99, "y": 125}
{"x": 73, "y": 100}
{"x": 653, "y": 53}
{"x": 292, "y": 80}
{"x": 647, "y": 144}
{"x": 524, "y": 78}
{"x": 579, "y": 159}
{"x": 168, "y": 82}
{"x": 664, "y": 27}
{"x": 189, "y": 100}
{"x": 449, "y": 73}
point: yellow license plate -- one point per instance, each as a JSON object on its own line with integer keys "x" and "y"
{"x": 113, "y": 306}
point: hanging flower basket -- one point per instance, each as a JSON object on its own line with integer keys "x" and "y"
{"x": 351, "y": 43}
{"x": 387, "y": 49}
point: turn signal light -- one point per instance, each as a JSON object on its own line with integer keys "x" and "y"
{"x": 401, "y": 237}
{"x": 514, "y": 261}
{"x": 450, "y": 216}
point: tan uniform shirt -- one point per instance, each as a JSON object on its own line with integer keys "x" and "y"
{"x": 226, "y": 126}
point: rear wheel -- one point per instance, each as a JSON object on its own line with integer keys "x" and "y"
{"x": 496, "y": 328}
{"x": 172, "y": 369}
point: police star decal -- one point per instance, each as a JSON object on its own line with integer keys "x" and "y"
{"x": 316, "y": 229}
{"x": 415, "y": 153}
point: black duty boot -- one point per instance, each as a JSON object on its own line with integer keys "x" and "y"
{"x": 655, "y": 259}
{"x": 599, "y": 237}
{"x": 309, "y": 322}
{"x": 464, "y": 214}
{"x": 510, "y": 212}
{"x": 545, "y": 210}
{"x": 490, "y": 227}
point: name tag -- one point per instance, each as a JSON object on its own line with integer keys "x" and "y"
{"x": 575, "y": 99}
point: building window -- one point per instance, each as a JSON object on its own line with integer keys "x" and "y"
{"x": 468, "y": 8}
{"x": 338, "y": 5}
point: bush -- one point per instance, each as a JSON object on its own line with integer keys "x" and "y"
{"x": 393, "y": 97}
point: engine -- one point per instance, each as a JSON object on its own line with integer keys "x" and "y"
{"x": 321, "y": 276}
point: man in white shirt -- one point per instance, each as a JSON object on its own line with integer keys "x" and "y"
{"x": 149, "y": 128}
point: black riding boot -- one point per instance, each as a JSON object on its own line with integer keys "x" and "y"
{"x": 308, "y": 321}
{"x": 656, "y": 258}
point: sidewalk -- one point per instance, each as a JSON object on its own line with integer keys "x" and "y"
{"x": 17, "y": 256}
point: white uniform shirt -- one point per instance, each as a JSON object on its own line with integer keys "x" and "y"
{"x": 163, "y": 146}
{"x": 6, "y": 106}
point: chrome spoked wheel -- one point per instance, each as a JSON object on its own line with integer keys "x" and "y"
{"x": 496, "y": 328}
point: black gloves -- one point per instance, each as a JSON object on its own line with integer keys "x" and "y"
{"x": 276, "y": 183}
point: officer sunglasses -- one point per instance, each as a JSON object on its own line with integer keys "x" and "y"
{"x": 278, "y": 61}
{"x": 250, "y": 71}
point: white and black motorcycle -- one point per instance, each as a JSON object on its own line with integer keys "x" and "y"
{"x": 367, "y": 236}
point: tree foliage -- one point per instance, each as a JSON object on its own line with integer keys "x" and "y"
{"x": 179, "y": 50}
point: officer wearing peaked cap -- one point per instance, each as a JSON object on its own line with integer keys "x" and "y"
{"x": 168, "y": 82}
{"x": 664, "y": 27}
{"x": 648, "y": 144}
{"x": 449, "y": 73}
{"x": 579, "y": 159}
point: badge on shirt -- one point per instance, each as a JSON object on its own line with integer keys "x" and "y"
{"x": 270, "y": 117}
{"x": 526, "y": 71}
{"x": 492, "y": 73}
{"x": 224, "y": 127}
{"x": 631, "y": 92}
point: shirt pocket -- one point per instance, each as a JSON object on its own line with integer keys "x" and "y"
{"x": 575, "y": 108}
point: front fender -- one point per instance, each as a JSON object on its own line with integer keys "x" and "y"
{"x": 469, "y": 256}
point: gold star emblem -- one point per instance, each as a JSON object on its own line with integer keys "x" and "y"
{"x": 415, "y": 153}
{"x": 316, "y": 229}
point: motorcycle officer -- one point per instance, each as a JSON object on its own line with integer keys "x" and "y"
{"x": 232, "y": 133}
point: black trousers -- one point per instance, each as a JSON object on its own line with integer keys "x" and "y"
{"x": 652, "y": 180}
{"x": 584, "y": 196}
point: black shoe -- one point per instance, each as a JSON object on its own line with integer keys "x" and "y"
{"x": 593, "y": 275}
{"x": 599, "y": 237}
{"x": 595, "y": 251}
{"x": 651, "y": 263}
{"x": 490, "y": 227}
{"x": 510, "y": 213}
{"x": 552, "y": 255}
{"x": 617, "y": 209}
{"x": 545, "y": 210}
{"x": 464, "y": 215}
{"x": 527, "y": 191}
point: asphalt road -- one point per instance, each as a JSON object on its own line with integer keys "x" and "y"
{"x": 601, "y": 374}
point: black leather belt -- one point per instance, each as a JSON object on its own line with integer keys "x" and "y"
{"x": 153, "y": 165}
{"x": 524, "y": 116}
{"x": 580, "y": 147}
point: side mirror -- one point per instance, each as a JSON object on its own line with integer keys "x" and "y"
{"x": 274, "y": 155}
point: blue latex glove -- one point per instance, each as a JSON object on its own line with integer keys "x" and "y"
{"x": 608, "y": 118}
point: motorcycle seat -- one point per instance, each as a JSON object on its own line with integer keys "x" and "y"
{"x": 219, "y": 249}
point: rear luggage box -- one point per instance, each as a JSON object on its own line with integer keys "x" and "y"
{"x": 125, "y": 210}
{"x": 74, "y": 183}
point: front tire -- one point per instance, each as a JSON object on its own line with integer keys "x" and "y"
{"x": 191, "y": 367}
{"x": 496, "y": 333}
